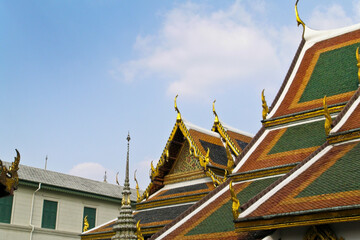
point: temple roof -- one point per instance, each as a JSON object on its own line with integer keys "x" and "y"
{"x": 325, "y": 64}
{"x": 293, "y": 133}
{"x": 320, "y": 189}
{"x": 214, "y": 219}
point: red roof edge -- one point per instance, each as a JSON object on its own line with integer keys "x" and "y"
{"x": 287, "y": 77}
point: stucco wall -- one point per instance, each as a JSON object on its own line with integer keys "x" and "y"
{"x": 69, "y": 214}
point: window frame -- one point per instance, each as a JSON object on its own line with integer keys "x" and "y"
{"x": 45, "y": 224}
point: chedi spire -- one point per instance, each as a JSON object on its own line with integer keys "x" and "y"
{"x": 125, "y": 227}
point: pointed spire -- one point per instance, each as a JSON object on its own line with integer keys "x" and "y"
{"x": 125, "y": 227}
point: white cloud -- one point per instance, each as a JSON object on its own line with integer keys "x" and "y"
{"x": 94, "y": 171}
{"x": 197, "y": 50}
{"x": 329, "y": 17}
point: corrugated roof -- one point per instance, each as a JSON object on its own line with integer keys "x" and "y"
{"x": 67, "y": 181}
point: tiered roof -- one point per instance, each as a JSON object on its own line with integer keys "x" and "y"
{"x": 322, "y": 189}
{"x": 293, "y": 133}
{"x": 194, "y": 161}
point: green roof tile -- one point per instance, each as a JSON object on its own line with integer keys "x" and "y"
{"x": 222, "y": 219}
{"x": 301, "y": 136}
{"x": 335, "y": 72}
{"x": 341, "y": 177}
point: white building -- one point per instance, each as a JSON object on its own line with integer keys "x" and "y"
{"x": 52, "y": 205}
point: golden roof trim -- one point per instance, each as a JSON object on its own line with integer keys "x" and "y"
{"x": 308, "y": 219}
{"x": 193, "y": 148}
{"x": 171, "y": 201}
{"x": 302, "y": 116}
{"x": 221, "y": 130}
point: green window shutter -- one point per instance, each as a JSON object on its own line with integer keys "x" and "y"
{"x": 91, "y": 216}
{"x": 5, "y": 209}
{"x": 49, "y": 214}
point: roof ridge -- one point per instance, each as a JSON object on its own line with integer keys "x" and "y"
{"x": 66, "y": 174}
{"x": 288, "y": 74}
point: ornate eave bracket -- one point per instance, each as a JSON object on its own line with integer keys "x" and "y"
{"x": 235, "y": 202}
{"x": 265, "y": 108}
{"x": 9, "y": 178}
{"x": 328, "y": 119}
{"x": 358, "y": 63}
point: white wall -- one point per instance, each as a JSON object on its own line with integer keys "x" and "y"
{"x": 69, "y": 215}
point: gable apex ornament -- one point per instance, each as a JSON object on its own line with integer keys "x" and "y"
{"x": 178, "y": 117}
{"x": 216, "y": 116}
{"x": 298, "y": 19}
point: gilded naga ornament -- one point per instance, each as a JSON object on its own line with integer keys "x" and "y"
{"x": 204, "y": 161}
{"x": 328, "y": 119}
{"x": 137, "y": 188}
{"x": 86, "y": 224}
{"x": 138, "y": 231}
{"x": 265, "y": 107}
{"x": 235, "y": 202}
{"x": 9, "y": 177}
{"x": 230, "y": 163}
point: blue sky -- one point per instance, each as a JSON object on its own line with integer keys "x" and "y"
{"x": 76, "y": 76}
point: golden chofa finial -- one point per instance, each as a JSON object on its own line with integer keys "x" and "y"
{"x": 265, "y": 108}
{"x": 299, "y": 21}
{"x": 178, "y": 118}
{"x": 235, "y": 202}
{"x": 358, "y": 63}
{"x": 216, "y": 116}
{"x": 328, "y": 120}
{"x": 137, "y": 188}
